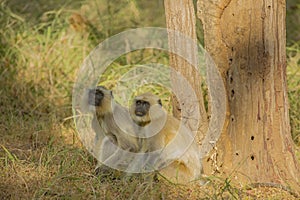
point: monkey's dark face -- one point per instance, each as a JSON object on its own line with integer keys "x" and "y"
{"x": 101, "y": 98}
{"x": 141, "y": 108}
{"x": 95, "y": 97}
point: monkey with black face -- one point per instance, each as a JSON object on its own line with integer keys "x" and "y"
{"x": 150, "y": 122}
{"x": 166, "y": 134}
{"x": 112, "y": 125}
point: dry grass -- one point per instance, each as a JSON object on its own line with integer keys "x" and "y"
{"x": 41, "y": 47}
{"x": 294, "y": 89}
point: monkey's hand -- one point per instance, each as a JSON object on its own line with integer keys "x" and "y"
{"x": 107, "y": 173}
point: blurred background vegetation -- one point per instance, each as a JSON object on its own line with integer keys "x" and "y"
{"x": 42, "y": 45}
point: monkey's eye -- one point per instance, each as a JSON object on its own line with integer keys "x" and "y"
{"x": 159, "y": 102}
{"x": 138, "y": 102}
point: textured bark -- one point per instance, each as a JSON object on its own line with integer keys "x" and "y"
{"x": 180, "y": 16}
{"x": 247, "y": 41}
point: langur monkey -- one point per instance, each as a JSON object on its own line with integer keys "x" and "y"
{"x": 109, "y": 135}
{"x": 171, "y": 137}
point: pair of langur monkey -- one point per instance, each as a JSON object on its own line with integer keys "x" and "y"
{"x": 147, "y": 129}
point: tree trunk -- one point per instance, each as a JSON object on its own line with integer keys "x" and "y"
{"x": 180, "y": 16}
{"x": 247, "y": 41}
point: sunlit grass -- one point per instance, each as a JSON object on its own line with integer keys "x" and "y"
{"x": 293, "y": 78}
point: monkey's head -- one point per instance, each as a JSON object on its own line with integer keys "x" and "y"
{"x": 101, "y": 98}
{"x": 145, "y": 108}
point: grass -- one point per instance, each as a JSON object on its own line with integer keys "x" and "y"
{"x": 42, "y": 45}
{"x": 293, "y": 74}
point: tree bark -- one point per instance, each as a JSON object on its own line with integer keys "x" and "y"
{"x": 180, "y": 16}
{"x": 247, "y": 41}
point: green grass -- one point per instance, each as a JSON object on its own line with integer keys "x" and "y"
{"x": 42, "y": 45}
{"x": 293, "y": 78}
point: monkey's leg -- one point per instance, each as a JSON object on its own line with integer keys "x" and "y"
{"x": 107, "y": 153}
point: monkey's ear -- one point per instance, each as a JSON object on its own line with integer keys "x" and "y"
{"x": 159, "y": 102}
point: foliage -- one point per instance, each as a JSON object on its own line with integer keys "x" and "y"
{"x": 293, "y": 74}
{"x": 293, "y": 21}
